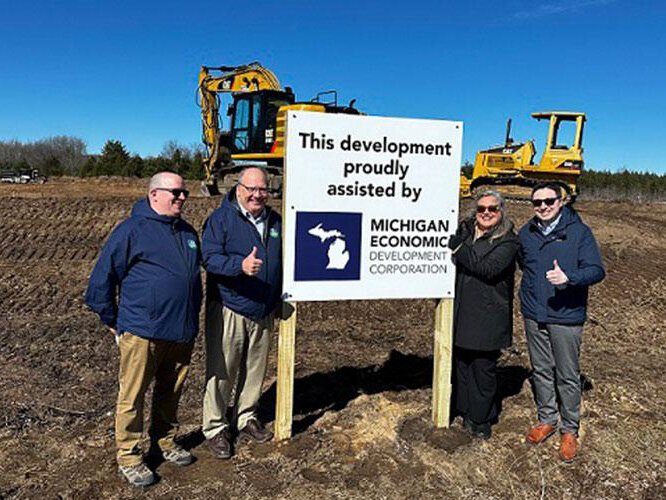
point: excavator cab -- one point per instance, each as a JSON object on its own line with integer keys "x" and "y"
{"x": 253, "y": 120}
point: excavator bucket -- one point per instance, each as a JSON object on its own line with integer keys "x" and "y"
{"x": 210, "y": 188}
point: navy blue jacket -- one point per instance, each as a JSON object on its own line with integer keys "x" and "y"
{"x": 572, "y": 244}
{"x": 154, "y": 262}
{"x": 228, "y": 237}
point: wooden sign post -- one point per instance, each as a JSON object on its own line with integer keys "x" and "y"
{"x": 285, "y": 377}
{"x": 441, "y": 374}
{"x": 284, "y": 401}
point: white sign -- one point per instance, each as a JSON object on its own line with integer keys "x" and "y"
{"x": 370, "y": 203}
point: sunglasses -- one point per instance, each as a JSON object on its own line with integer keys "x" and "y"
{"x": 548, "y": 201}
{"x": 175, "y": 192}
{"x": 490, "y": 208}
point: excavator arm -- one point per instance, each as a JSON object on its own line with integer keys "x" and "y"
{"x": 258, "y": 114}
{"x": 245, "y": 78}
{"x": 225, "y": 79}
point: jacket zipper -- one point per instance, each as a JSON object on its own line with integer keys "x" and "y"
{"x": 263, "y": 240}
{"x": 266, "y": 245}
{"x": 189, "y": 275}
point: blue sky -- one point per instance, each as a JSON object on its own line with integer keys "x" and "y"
{"x": 128, "y": 70}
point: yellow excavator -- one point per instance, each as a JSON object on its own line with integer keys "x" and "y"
{"x": 257, "y": 113}
{"x": 510, "y": 168}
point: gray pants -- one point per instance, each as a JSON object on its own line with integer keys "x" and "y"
{"x": 554, "y": 355}
{"x": 236, "y": 357}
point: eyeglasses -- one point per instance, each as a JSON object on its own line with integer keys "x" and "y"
{"x": 255, "y": 190}
{"x": 490, "y": 208}
{"x": 548, "y": 201}
{"x": 176, "y": 192}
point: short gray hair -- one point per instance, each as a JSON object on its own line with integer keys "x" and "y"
{"x": 159, "y": 180}
{"x": 504, "y": 225}
{"x": 245, "y": 169}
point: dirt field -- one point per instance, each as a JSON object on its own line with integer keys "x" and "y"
{"x": 363, "y": 379}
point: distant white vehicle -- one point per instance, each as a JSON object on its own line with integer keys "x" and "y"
{"x": 22, "y": 177}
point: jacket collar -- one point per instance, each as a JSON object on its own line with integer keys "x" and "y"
{"x": 482, "y": 249}
{"x": 143, "y": 209}
{"x": 568, "y": 216}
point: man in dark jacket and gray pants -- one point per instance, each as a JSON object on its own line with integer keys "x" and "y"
{"x": 242, "y": 253}
{"x": 152, "y": 261}
{"x": 560, "y": 259}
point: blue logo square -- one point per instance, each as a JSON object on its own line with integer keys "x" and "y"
{"x": 328, "y": 246}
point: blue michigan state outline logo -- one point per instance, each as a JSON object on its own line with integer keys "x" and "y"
{"x": 328, "y": 246}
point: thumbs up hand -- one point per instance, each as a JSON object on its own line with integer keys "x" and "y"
{"x": 252, "y": 265}
{"x": 556, "y": 276}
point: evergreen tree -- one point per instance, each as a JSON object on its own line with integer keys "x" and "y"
{"x": 113, "y": 159}
{"x": 195, "y": 169}
{"x": 467, "y": 169}
{"x": 51, "y": 167}
{"x": 22, "y": 165}
{"x": 153, "y": 165}
{"x": 134, "y": 167}
{"x": 88, "y": 167}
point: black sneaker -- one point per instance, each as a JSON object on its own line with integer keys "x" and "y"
{"x": 481, "y": 431}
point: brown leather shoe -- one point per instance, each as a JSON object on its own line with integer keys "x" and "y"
{"x": 540, "y": 432}
{"x": 568, "y": 447}
{"x": 220, "y": 444}
{"x": 254, "y": 431}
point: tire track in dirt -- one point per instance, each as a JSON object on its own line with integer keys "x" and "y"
{"x": 56, "y": 230}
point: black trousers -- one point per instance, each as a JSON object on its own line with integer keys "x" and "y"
{"x": 476, "y": 385}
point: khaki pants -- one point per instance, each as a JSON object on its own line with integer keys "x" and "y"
{"x": 141, "y": 360}
{"x": 236, "y": 357}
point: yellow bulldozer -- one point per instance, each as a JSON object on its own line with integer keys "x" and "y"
{"x": 257, "y": 120}
{"x": 510, "y": 168}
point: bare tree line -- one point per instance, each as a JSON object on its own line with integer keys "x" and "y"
{"x": 65, "y": 155}
{"x": 59, "y": 155}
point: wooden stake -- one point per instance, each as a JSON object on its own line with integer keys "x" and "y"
{"x": 441, "y": 378}
{"x": 284, "y": 403}
{"x": 285, "y": 377}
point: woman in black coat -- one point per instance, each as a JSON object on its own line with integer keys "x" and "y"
{"x": 484, "y": 250}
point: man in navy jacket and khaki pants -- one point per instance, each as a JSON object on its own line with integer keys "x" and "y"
{"x": 152, "y": 260}
{"x": 560, "y": 259}
{"x": 242, "y": 254}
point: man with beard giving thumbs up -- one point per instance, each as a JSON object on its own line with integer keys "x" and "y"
{"x": 242, "y": 253}
{"x": 560, "y": 259}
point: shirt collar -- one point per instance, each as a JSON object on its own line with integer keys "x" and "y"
{"x": 249, "y": 215}
{"x": 548, "y": 227}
